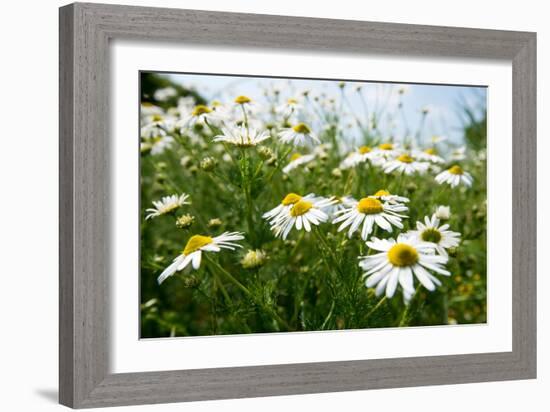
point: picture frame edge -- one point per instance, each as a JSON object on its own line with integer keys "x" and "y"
{"x": 84, "y": 380}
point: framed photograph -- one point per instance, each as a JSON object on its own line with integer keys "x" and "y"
{"x": 256, "y": 205}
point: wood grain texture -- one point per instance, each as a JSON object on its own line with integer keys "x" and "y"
{"x": 85, "y": 31}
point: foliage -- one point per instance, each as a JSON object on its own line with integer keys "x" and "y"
{"x": 312, "y": 280}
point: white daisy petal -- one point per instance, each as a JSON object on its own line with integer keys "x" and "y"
{"x": 196, "y": 259}
{"x": 392, "y": 282}
{"x": 423, "y": 276}
{"x": 170, "y": 270}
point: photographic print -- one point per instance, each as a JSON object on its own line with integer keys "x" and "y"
{"x": 299, "y": 205}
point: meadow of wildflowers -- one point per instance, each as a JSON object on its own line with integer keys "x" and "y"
{"x": 289, "y": 208}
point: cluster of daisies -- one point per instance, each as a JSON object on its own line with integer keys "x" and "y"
{"x": 244, "y": 123}
{"x": 236, "y": 124}
{"x": 394, "y": 158}
{"x": 419, "y": 252}
{"x": 391, "y": 262}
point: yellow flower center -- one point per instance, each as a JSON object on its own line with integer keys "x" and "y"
{"x": 364, "y": 149}
{"x": 402, "y": 255}
{"x": 386, "y": 146}
{"x": 300, "y": 208}
{"x": 405, "y": 158}
{"x": 301, "y": 128}
{"x": 216, "y": 103}
{"x": 456, "y": 170}
{"x": 431, "y": 235}
{"x": 381, "y": 193}
{"x": 157, "y": 118}
{"x": 295, "y": 156}
{"x": 430, "y": 151}
{"x": 292, "y": 101}
{"x": 291, "y": 199}
{"x": 201, "y": 109}
{"x": 195, "y": 243}
{"x": 242, "y": 99}
{"x": 369, "y": 206}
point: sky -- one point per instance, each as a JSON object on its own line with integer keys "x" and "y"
{"x": 442, "y": 101}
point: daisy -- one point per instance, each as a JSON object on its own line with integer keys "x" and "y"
{"x": 299, "y": 135}
{"x": 165, "y": 93}
{"x": 357, "y": 157}
{"x": 302, "y": 214}
{"x": 200, "y": 114}
{"x": 149, "y": 109}
{"x": 157, "y": 145}
{"x": 396, "y": 263}
{"x": 430, "y": 231}
{"x": 242, "y": 100}
{"x": 192, "y": 253}
{"x": 297, "y": 160}
{"x": 428, "y": 155}
{"x": 458, "y": 154}
{"x": 166, "y": 205}
{"x": 454, "y": 176}
{"x": 223, "y": 111}
{"x": 282, "y": 209}
{"x": 405, "y": 164}
{"x": 156, "y": 125}
{"x": 186, "y": 104}
{"x": 151, "y": 131}
{"x": 368, "y": 211}
{"x": 287, "y": 109}
{"x": 387, "y": 150}
{"x": 388, "y": 197}
{"x": 438, "y": 139}
{"x": 242, "y": 136}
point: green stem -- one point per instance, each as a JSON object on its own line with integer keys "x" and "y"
{"x": 404, "y": 318}
{"x": 222, "y": 288}
{"x": 380, "y": 303}
{"x": 247, "y": 292}
{"x": 328, "y": 316}
{"x": 399, "y": 184}
{"x": 279, "y": 165}
{"x": 295, "y": 248}
{"x": 349, "y": 181}
{"x": 350, "y": 107}
{"x": 246, "y": 187}
{"x": 326, "y": 246}
{"x": 418, "y": 133}
{"x": 258, "y": 169}
{"x": 365, "y": 109}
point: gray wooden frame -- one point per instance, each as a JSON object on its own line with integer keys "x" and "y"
{"x": 85, "y": 31}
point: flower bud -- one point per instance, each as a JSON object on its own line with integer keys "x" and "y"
{"x": 191, "y": 281}
{"x": 208, "y": 164}
{"x": 185, "y": 221}
{"x": 265, "y": 152}
{"x": 214, "y": 223}
{"x": 253, "y": 259}
{"x": 336, "y": 172}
